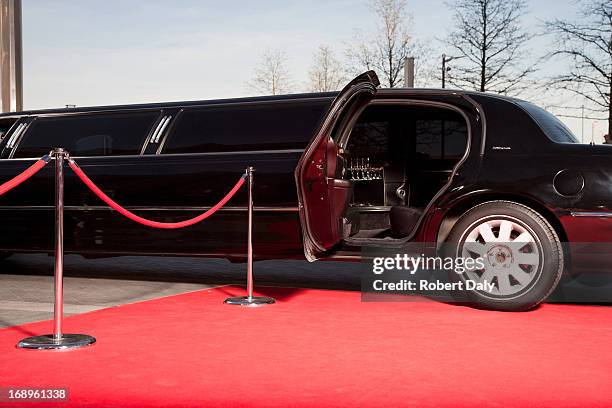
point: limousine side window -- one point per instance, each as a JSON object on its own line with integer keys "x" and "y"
{"x": 88, "y": 134}
{"x": 435, "y": 133}
{"x": 441, "y": 137}
{"x": 5, "y": 126}
{"x": 262, "y": 126}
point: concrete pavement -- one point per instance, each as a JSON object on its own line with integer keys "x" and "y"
{"x": 26, "y": 282}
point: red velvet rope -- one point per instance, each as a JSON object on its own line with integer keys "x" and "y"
{"x": 26, "y": 174}
{"x": 149, "y": 223}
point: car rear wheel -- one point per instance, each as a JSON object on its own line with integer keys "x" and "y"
{"x": 520, "y": 251}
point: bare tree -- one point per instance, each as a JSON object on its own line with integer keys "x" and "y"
{"x": 588, "y": 44}
{"x": 489, "y": 45}
{"x": 326, "y": 73}
{"x": 385, "y": 50}
{"x": 272, "y": 75}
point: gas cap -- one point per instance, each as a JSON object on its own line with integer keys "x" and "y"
{"x": 568, "y": 182}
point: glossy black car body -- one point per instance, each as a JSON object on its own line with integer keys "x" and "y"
{"x": 509, "y": 155}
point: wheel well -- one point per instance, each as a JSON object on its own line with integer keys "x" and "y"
{"x": 464, "y": 205}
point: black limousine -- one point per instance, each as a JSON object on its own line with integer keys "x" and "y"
{"x": 335, "y": 173}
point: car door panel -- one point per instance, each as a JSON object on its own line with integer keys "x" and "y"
{"x": 171, "y": 188}
{"x": 321, "y": 197}
{"x": 26, "y": 212}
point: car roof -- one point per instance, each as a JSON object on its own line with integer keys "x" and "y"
{"x": 448, "y": 91}
{"x": 253, "y": 99}
{"x": 175, "y": 104}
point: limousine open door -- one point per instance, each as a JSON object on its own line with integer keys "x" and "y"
{"x": 323, "y": 195}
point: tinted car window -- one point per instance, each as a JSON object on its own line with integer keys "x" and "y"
{"x": 88, "y": 135}
{"x": 264, "y": 126}
{"x": 5, "y": 125}
{"x": 437, "y": 133}
{"x": 370, "y": 137}
{"x": 551, "y": 126}
{"x": 441, "y": 136}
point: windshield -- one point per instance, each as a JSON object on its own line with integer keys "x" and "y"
{"x": 550, "y": 125}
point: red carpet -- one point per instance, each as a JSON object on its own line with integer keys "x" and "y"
{"x": 322, "y": 348}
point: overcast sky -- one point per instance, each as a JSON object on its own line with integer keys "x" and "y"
{"x": 90, "y": 52}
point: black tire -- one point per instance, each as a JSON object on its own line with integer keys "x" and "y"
{"x": 544, "y": 276}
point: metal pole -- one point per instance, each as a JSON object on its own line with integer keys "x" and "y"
{"x": 582, "y": 134}
{"x": 59, "y": 244}
{"x": 11, "y": 82}
{"x": 409, "y": 72}
{"x": 250, "y": 236}
{"x": 249, "y": 299}
{"x": 443, "y": 71}
{"x": 58, "y": 340}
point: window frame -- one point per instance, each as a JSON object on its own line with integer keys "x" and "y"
{"x": 344, "y": 134}
{"x": 35, "y": 118}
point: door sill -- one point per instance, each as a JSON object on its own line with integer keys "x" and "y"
{"x": 386, "y": 242}
{"x": 353, "y": 250}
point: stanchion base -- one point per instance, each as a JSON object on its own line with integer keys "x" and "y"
{"x": 49, "y": 342}
{"x": 249, "y": 301}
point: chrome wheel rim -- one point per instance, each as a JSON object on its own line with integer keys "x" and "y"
{"x": 511, "y": 252}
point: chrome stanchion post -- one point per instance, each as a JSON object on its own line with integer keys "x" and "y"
{"x": 250, "y": 300}
{"x": 58, "y": 312}
{"x": 250, "y": 236}
{"x": 58, "y": 340}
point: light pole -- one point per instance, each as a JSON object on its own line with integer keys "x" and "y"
{"x": 409, "y": 72}
{"x": 11, "y": 83}
{"x": 582, "y": 134}
{"x": 446, "y": 59}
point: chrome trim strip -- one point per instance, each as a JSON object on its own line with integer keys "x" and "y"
{"x": 597, "y": 214}
{"x": 164, "y": 139}
{"x": 155, "y": 133}
{"x": 374, "y": 208}
{"x": 164, "y": 125}
{"x": 186, "y": 155}
{"x": 11, "y": 143}
{"x": 233, "y": 153}
{"x": 102, "y": 207}
{"x": 151, "y": 136}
